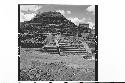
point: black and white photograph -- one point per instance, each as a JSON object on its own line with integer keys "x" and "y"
{"x": 57, "y": 42}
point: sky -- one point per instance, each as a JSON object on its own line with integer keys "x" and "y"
{"x": 76, "y": 13}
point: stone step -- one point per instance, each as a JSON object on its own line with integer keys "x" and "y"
{"x": 73, "y": 50}
{"x": 76, "y": 51}
{"x": 64, "y": 48}
{"x": 68, "y": 52}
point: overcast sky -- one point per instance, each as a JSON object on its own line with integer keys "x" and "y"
{"x": 76, "y": 13}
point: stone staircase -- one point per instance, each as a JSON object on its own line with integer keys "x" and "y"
{"x": 65, "y": 48}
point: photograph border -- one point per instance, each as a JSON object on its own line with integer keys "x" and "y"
{"x": 96, "y": 45}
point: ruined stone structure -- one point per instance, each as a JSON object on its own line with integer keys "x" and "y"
{"x": 35, "y": 31}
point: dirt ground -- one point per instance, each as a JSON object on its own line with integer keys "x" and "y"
{"x": 74, "y": 61}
